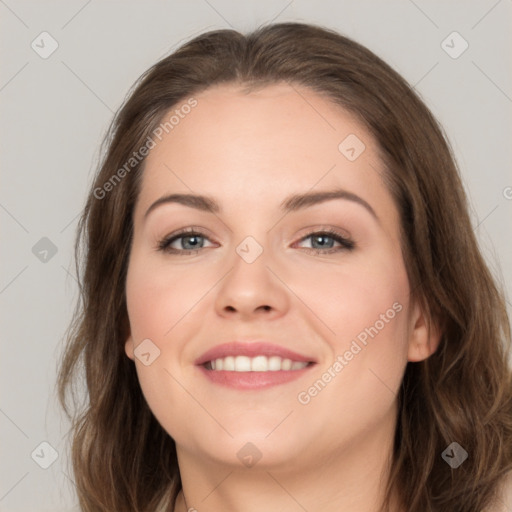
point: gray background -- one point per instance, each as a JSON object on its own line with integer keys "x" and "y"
{"x": 56, "y": 110}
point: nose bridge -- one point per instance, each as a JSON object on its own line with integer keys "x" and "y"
{"x": 250, "y": 249}
{"x": 251, "y": 285}
{"x": 250, "y": 262}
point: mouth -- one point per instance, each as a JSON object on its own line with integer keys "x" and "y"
{"x": 252, "y": 366}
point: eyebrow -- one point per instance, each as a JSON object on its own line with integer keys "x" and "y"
{"x": 292, "y": 203}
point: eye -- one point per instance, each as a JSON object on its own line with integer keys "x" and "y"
{"x": 190, "y": 240}
{"x": 325, "y": 239}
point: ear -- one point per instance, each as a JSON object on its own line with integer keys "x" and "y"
{"x": 424, "y": 338}
{"x": 128, "y": 348}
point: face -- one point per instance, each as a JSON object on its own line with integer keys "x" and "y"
{"x": 301, "y": 305}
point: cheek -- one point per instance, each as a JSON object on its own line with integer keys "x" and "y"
{"x": 159, "y": 298}
{"x": 367, "y": 310}
{"x": 364, "y": 308}
{"x": 157, "y": 303}
{"x": 355, "y": 299}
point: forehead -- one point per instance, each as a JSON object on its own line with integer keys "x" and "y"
{"x": 244, "y": 147}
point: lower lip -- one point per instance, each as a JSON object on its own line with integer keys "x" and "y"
{"x": 252, "y": 380}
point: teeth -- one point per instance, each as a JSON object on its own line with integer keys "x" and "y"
{"x": 229, "y": 363}
{"x": 242, "y": 364}
{"x": 286, "y": 364}
{"x": 259, "y": 364}
{"x": 255, "y": 364}
{"x": 275, "y": 363}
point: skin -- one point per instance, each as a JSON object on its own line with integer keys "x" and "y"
{"x": 250, "y": 152}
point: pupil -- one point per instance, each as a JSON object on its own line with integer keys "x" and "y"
{"x": 191, "y": 238}
{"x": 321, "y": 237}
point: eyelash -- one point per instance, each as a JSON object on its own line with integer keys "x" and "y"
{"x": 346, "y": 243}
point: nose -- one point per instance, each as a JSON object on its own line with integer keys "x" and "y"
{"x": 252, "y": 287}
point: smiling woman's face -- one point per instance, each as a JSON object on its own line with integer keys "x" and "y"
{"x": 257, "y": 275}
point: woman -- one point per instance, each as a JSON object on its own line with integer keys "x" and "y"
{"x": 283, "y": 302}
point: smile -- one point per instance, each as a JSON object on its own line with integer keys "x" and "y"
{"x": 255, "y": 364}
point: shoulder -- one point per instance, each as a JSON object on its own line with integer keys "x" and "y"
{"x": 504, "y": 501}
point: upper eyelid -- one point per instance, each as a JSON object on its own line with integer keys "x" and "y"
{"x": 312, "y": 231}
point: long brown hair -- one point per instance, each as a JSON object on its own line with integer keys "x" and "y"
{"x": 122, "y": 458}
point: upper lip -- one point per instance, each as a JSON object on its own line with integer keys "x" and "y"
{"x": 250, "y": 349}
